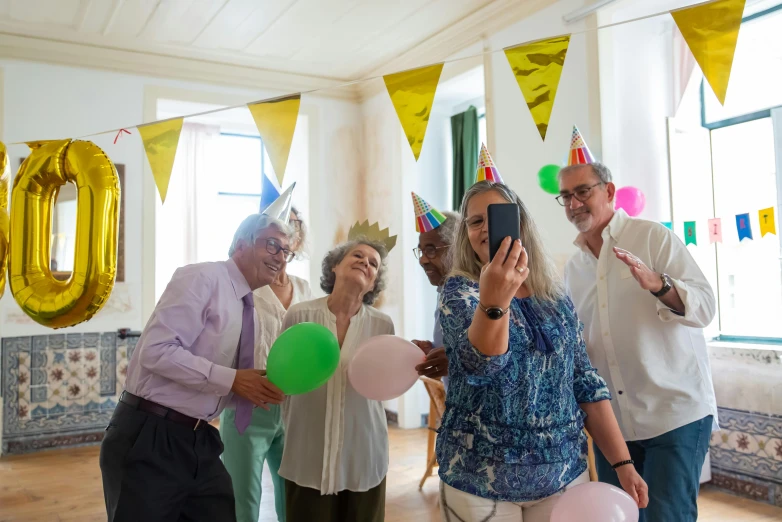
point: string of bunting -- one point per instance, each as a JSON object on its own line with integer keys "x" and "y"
{"x": 766, "y": 222}
{"x": 710, "y": 30}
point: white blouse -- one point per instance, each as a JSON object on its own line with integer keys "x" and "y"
{"x": 270, "y": 314}
{"x": 335, "y": 439}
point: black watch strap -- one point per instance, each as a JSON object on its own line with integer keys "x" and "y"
{"x": 667, "y": 285}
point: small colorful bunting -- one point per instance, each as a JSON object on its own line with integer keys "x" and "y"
{"x": 160, "y": 141}
{"x": 537, "y": 67}
{"x": 667, "y": 224}
{"x": 269, "y": 192}
{"x": 711, "y": 30}
{"x": 579, "y": 152}
{"x": 412, "y": 93}
{"x": 486, "y": 168}
{"x": 744, "y": 227}
{"x": 276, "y": 122}
{"x": 690, "y": 235}
{"x": 426, "y": 216}
{"x": 715, "y": 230}
{"x": 767, "y": 224}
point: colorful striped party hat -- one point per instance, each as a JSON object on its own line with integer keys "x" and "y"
{"x": 579, "y": 152}
{"x": 486, "y": 168}
{"x": 426, "y": 216}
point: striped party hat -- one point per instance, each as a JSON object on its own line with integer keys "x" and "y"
{"x": 426, "y": 216}
{"x": 579, "y": 152}
{"x": 486, "y": 168}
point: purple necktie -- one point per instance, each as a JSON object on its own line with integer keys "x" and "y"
{"x": 244, "y": 408}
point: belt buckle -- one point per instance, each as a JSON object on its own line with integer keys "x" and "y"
{"x": 197, "y": 424}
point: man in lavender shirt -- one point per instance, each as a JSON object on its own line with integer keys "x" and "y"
{"x": 160, "y": 459}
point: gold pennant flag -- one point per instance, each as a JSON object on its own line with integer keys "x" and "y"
{"x": 537, "y": 67}
{"x": 711, "y": 31}
{"x": 160, "y": 142}
{"x": 412, "y": 93}
{"x": 767, "y": 223}
{"x": 276, "y": 122}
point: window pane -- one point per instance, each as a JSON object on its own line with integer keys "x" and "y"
{"x": 239, "y": 167}
{"x": 749, "y": 272}
{"x": 756, "y": 74}
{"x": 482, "y": 129}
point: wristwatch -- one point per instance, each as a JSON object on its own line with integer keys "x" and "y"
{"x": 494, "y": 312}
{"x": 667, "y": 285}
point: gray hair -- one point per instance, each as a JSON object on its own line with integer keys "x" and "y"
{"x": 328, "y": 278}
{"x": 447, "y": 229}
{"x": 252, "y": 226}
{"x": 302, "y": 236}
{"x": 543, "y": 280}
{"x": 600, "y": 170}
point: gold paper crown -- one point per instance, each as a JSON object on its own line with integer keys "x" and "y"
{"x": 371, "y": 232}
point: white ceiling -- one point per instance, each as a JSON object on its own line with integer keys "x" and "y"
{"x": 335, "y": 39}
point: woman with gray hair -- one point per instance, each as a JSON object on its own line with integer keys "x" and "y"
{"x": 338, "y": 475}
{"x": 522, "y": 388}
{"x": 264, "y": 438}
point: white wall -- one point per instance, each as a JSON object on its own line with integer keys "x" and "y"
{"x": 46, "y": 102}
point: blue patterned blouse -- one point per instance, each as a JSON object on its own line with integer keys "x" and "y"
{"x": 512, "y": 428}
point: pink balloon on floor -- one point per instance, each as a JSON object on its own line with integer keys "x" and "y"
{"x": 384, "y": 367}
{"x": 631, "y": 199}
{"x": 595, "y": 502}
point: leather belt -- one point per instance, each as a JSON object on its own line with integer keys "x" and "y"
{"x": 161, "y": 411}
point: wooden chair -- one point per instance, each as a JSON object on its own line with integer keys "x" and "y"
{"x": 436, "y": 391}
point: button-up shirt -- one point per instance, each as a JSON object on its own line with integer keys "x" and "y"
{"x": 654, "y": 360}
{"x": 186, "y": 356}
{"x": 437, "y": 335}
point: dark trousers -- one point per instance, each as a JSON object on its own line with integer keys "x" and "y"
{"x": 308, "y": 505}
{"x": 671, "y": 466}
{"x": 156, "y": 470}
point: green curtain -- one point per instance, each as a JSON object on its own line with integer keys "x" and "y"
{"x": 464, "y": 135}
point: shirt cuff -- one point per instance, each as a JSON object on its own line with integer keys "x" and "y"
{"x": 689, "y": 299}
{"x": 220, "y": 380}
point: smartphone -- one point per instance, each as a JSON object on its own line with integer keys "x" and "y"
{"x": 503, "y": 222}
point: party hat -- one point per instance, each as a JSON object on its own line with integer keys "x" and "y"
{"x": 281, "y": 208}
{"x": 372, "y": 232}
{"x": 427, "y": 217}
{"x": 579, "y": 152}
{"x": 486, "y": 168}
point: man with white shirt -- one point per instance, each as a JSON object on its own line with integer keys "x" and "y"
{"x": 643, "y": 301}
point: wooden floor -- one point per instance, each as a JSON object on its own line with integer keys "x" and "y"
{"x": 65, "y": 485}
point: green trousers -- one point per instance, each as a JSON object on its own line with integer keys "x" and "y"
{"x": 245, "y": 454}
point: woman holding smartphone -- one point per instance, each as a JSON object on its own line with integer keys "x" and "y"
{"x": 521, "y": 386}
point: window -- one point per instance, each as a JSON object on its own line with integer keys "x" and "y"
{"x": 745, "y": 178}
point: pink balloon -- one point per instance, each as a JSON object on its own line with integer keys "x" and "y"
{"x": 631, "y": 199}
{"x": 595, "y": 502}
{"x": 384, "y": 367}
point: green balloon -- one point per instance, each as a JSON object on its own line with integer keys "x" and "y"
{"x": 303, "y": 358}
{"x": 547, "y": 178}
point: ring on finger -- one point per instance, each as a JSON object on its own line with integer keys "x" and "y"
{"x": 521, "y": 269}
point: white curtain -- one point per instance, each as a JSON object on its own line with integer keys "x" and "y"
{"x": 187, "y": 205}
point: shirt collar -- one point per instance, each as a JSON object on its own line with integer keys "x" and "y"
{"x": 613, "y": 229}
{"x": 241, "y": 287}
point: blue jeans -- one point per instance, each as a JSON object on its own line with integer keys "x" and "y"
{"x": 671, "y": 466}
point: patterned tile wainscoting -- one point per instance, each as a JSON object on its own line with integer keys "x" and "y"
{"x": 60, "y": 389}
{"x": 746, "y": 455}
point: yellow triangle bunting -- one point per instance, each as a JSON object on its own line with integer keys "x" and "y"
{"x": 412, "y": 93}
{"x": 160, "y": 142}
{"x": 537, "y": 67}
{"x": 711, "y": 31}
{"x": 276, "y": 122}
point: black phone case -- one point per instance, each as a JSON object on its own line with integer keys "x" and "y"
{"x": 503, "y": 222}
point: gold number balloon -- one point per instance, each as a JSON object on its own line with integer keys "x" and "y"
{"x": 51, "y": 164}
{"x": 3, "y": 216}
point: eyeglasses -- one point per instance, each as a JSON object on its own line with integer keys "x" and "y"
{"x": 296, "y": 224}
{"x": 581, "y": 195}
{"x": 429, "y": 251}
{"x": 274, "y": 248}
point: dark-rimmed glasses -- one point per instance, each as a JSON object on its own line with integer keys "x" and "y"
{"x": 296, "y": 224}
{"x": 429, "y": 251}
{"x": 273, "y": 247}
{"x": 582, "y": 195}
